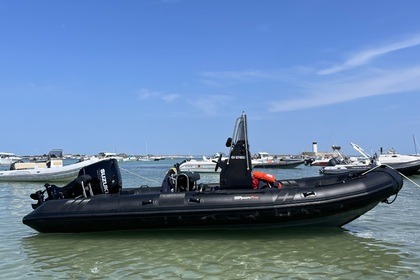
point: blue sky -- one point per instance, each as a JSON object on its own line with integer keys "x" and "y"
{"x": 172, "y": 76}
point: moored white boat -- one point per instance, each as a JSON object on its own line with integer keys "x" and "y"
{"x": 206, "y": 165}
{"x": 319, "y": 161}
{"x": 8, "y": 158}
{"x": 144, "y": 159}
{"x": 53, "y": 171}
{"x": 406, "y": 164}
{"x": 265, "y": 160}
{"x": 108, "y": 155}
{"x": 343, "y": 163}
{"x": 262, "y": 157}
{"x": 260, "y": 160}
{"x": 130, "y": 158}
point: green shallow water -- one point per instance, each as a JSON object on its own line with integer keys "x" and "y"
{"x": 383, "y": 244}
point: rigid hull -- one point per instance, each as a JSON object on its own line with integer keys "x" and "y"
{"x": 407, "y": 168}
{"x": 342, "y": 168}
{"x": 319, "y": 201}
{"x": 279, "y": 164}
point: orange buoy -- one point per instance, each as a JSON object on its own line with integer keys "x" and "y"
{"x": 264, "y": 176}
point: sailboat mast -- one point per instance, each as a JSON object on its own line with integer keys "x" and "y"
{"x": 415, "y": 144}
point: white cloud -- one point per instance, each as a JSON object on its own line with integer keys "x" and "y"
{"x": 211, "y": 104}
{"x": 316, "y": 88}
{"x": 365, "y": 56}
{"x": 391, "y": 82}
{"x": 223, "y": 78}
{"x": 145, "y": 94}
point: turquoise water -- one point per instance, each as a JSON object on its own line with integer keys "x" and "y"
{"x": 383, "y": 244}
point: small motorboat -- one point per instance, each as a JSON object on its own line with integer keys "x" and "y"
{"x": 406, "y": 164}
{"x": 52, "y": 170}
{"x": 261, "y": 160}
{"x": 206, "y": 165}
{"x": 96, "y": 201}
{"x": 318, "y": 161}
{"x": 8, "y": 158}
{"x": 265, "y": 160}
{"x": 343, "y": 164}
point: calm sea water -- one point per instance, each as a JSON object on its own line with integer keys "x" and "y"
{"x": 383, "y": 244}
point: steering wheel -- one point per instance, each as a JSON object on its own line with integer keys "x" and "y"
{"x": 218, "y": 162}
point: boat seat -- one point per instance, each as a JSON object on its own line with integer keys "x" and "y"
{"x": 208, "y": 187}
{"x": 176, "y": 181}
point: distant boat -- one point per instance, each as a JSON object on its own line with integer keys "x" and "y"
{"x": 282, "y": 163}
{"x": 50, "y": 171}
{"x": 406, "y": 164}
{"x": 318, "y": 161}
{"x": 8, "y": 158}
{"x": 150, "y": 158}
{"x": 260, "y": 160}
{"x": 344, "y": 164}
{"x": 130, "y": 158}
{"x": 143, "y": 159}
{"x": 157, "y": 158}
{"x": 108, "y": 155}
{"x": 265, "y": 160}
{"x": 206, "y": 165}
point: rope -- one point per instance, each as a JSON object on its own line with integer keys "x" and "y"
{"x": 135, "y": 174}
{"x": 414, "y": 183}
{"x": 392, "y": 201}
{"x": 370, "y": 170}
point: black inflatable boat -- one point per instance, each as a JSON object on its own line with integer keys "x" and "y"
{"x": 96, "y": 201}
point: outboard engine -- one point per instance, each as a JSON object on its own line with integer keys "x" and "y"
{"x": 98, "y": 178}
{"x": 236, "y": 171}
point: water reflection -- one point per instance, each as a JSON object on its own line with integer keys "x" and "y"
{"x": 253, "y": 254}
